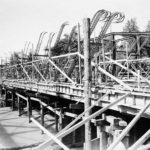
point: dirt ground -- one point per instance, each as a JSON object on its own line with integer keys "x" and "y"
{"x": 17, "y": 133}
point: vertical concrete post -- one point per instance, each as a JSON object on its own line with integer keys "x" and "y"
{"x": 103, "y": 139}
{"x": 87, "y": 80}
{"x": 101, "y": 132}
{"x": 103, "y": 135}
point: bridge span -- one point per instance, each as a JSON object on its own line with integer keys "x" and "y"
{"x": 98, "y": 89}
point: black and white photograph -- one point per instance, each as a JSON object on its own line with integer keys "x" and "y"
{"x": 74, "y": 74}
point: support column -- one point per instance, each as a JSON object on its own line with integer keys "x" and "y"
{"x": 56, "y": 117}
{"x": 138, "y": 47}
{"x": 61, "y": 119}
{"x": 61, "y": 116}
{"x": 6, "y": 98}
{"x": 114, "y": 57}
{"x": 76, "y": 109}
{"x": 29, "y": 108}
{"x": 13, "y": 100}
{"x": 19, "y": 105}
{"x": 101, "y": 132}
{"x": 0, "y": 91}
{"x": 104, "y": 65}
{"x": 42, "y": 116}
{"x": 138, "y": 53}
{"x": 87, "y": 80}
{"x": 79, "y": 50}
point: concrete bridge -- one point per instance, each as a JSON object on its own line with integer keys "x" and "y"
{"x": 98, "y": 89}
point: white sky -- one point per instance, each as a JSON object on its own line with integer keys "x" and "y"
{"x": 24, "y": 20}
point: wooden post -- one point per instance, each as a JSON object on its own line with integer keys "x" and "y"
{"x": 1, "y": 91}
{"x": 19, "y": 105}
{"x": 137, "y": 51}
{"x": 56, "y": 117}
{"x": 13, "y": 100}
{"x": 29, "y": 108}
{"x": 60, "y": 119}
{"x": 138, "y": 79}
{"x": 87, "y": 80}
{"x": 42, "y": 116}
{"x": 104, "y": 65}
{"x": 79, "y": 50}
{"x": 127, "y": 57}
{"x": 32, "y": 66}
{"x": 138, "y": 46}
{"x": 6, "y": 98}
{"x": 114, "y": 57}
{"x": 49, "y": 55}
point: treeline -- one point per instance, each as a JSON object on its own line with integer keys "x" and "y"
{"x": 132, "y": 26}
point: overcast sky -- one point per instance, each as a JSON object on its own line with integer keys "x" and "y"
{"x": 24, "y": 20}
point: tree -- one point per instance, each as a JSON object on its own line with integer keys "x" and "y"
{"x": 131, "y": 26}
{"x": 148, "y": 27}
{"x": 14, "y": 58}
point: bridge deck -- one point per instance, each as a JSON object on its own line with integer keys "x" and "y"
{"x": 131, "y": 104}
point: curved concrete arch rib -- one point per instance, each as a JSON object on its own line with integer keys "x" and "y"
{"x": 70, "y": 37}
{"x": 39, "y": 43}
{"x": 60, "y": 32}
{"x": 100, "y": 15}
{"x": 116, "y": 17}
{"x": 49, "y": 43}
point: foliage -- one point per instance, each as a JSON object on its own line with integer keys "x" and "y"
{"x": 148, "y": 27}
{"x": 131, "y": 26}
{"x": 14, "y": 58}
